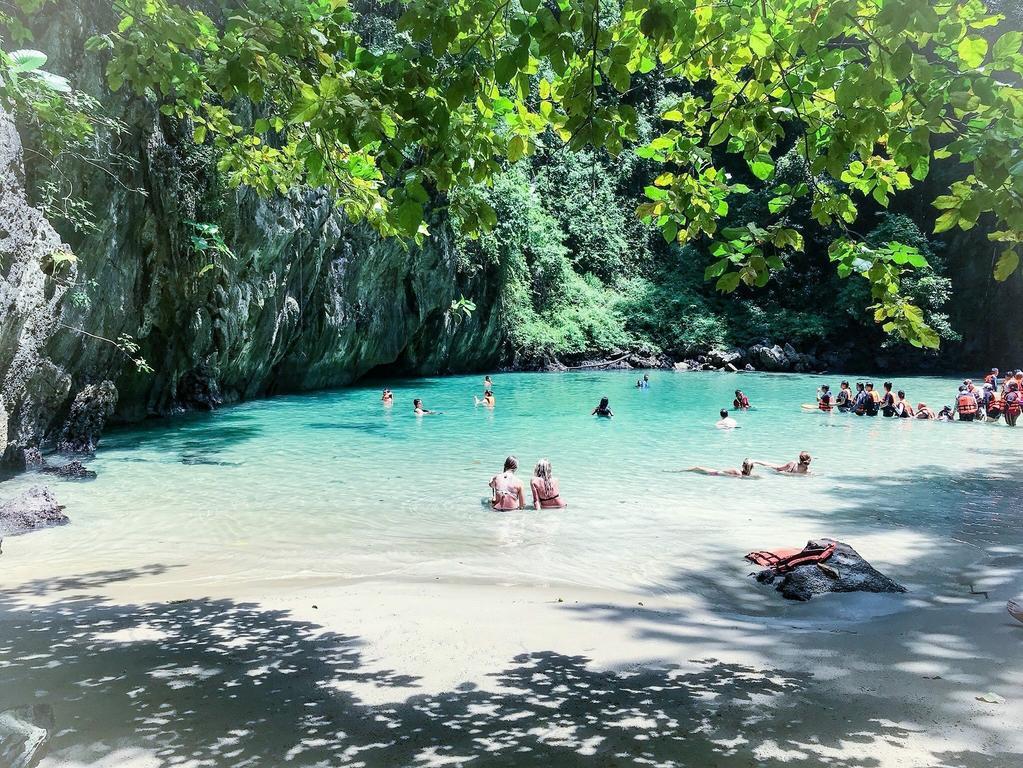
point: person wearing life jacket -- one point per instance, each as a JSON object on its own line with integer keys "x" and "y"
{"x": 992, "y": 400}
{"x": 888, "y": 401}
{"x": 903, "y": 409}
{"x": 740, "y": 402}
{"x": 1012, "y": 403}
{"x": 923, "y": 412}
{"x": 824, "y": 399}
{"x": 873, "y": 404}
{"x": 966, "y": 404}
{"x": 860, "y": 400}
{"x": 844, "y": 398}
{"x": 992, "y": 378}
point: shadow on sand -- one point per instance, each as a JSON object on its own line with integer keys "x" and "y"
{"x": 224, "y": 683}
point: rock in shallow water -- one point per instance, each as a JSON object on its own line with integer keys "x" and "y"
{"x": 89, "y": 413}
{"x": 73, "y": 470}
{"x": 35, "y": 508}
{"x": 844, "y": 571}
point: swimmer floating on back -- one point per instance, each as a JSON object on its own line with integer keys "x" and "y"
{"x": 745, "y": 471}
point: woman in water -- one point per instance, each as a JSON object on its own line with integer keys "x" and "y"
{"x": 487, "y": 383}
{"x": 824, "y": 399}
{"x": 844, "y": 398}
{"x": 488, "y": 399}
{"x": 602, "y": 409}
{"x": 419, "y": 410}
{"x": 1013, "y": 403}
{"x": 923, "y": 412}
{"x": 387, "y": 398}
{"x": 745, "y": 471}
{"x": 888, "y": 401}
{"x": 741, "y": 402}
{"x": 800, "y": 467}
{"x": 506, "y": 490}
{"x": 545, "y": 488}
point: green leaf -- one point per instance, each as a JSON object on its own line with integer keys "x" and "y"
{"x": 674, "y": 116}
{"x": 408, "y": 216}
{"x": 516, "y": 148}
{"x": 972, "y": 51}
{"x": 946, "y": 221}
{"x": 762, "y": 167}
{"x": 1007, "y": 45}
{"x": 759, "y": 41}
{"x": 1007, "y": 263}
{"x": 26, "y": 60}
{"x": 728, "y": 283}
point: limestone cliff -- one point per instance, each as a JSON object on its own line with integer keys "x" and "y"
{"x": 307, "y": 300}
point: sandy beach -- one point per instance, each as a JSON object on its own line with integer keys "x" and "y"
{"x": 143, "y": 670}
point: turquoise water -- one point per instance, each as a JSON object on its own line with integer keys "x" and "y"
{"x": 337, "y": 486}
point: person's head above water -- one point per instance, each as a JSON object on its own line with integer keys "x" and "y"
{"x": 417, "y": 403}
{"x": 724, "y": 413}
{"x": 962, "y": 387}
{"x": 738, "y": 393}
{"x": 542, "y": 469}
{"x": 902, "y": 395}
{"x": 511, "y": 464}
{"x": 887, "y": 386}
{"x": 805, "y": 458}
{"x": 870, "y": 385}
{"x": 747, "y": 467}
{"x": 825, "y": 388}
{"x": 603, "y": 403}
{"x": 859, "y": 386}
{"x": 646, "y": 377}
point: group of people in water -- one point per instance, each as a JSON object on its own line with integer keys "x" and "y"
{"x": 997, "y": 398}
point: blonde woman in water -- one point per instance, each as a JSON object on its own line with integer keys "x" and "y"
{"x": 545, "y": 488}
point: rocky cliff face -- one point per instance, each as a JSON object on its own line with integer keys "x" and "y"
{"x": 306, "y": 301}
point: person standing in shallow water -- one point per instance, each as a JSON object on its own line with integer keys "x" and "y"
{"x": 507, "y": 492}
{"x": 488, "y": 399}
{"x": 603, "y": 409}
{"x": 741, "y": 402}
{"x": 545, "y": 487}
{"x": 844, "y": 398}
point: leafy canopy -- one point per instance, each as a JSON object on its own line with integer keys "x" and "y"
{"x": 870, "y": 91}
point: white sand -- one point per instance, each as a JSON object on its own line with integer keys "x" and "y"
{"x": 476, "y": 674}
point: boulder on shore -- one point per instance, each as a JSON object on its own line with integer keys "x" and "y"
{"x": 24, "y": 732}
{"x": 844, "y": 571}
{"x": 89, "y": 413}
{"x": 35, "y": 508}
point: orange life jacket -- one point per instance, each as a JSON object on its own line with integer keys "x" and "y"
{"x": 967, "y": 403}
{"x": 825, "y": 402}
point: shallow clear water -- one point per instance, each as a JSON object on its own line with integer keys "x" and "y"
{"x": 335, "y": 485}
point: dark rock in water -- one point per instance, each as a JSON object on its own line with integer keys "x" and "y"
{"x": 33, "y": 458}
{"x": 24, "y": 732}
{"x": 89, "y": 413}
{"x": 35, "y": 508}
{"x": 844, "y": 571}
{"x": 198, "y": 388}
{"x": 73, "y": 470}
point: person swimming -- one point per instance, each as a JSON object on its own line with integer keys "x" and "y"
{"x": 419, "y": 410}
{"x": 387, "y": 398}
{"x": 602, "y": 409}
{"x": 741, "y": 402}
{"x": 487, "y": 383}
{"x": 798, "y": 467}
{"x": 745, "y": 471}
{"x": 507, "y": 492}
{"x": 545, "y": 487}
{"x": 726, "y": 421}
{"x": 487, "y": 400}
